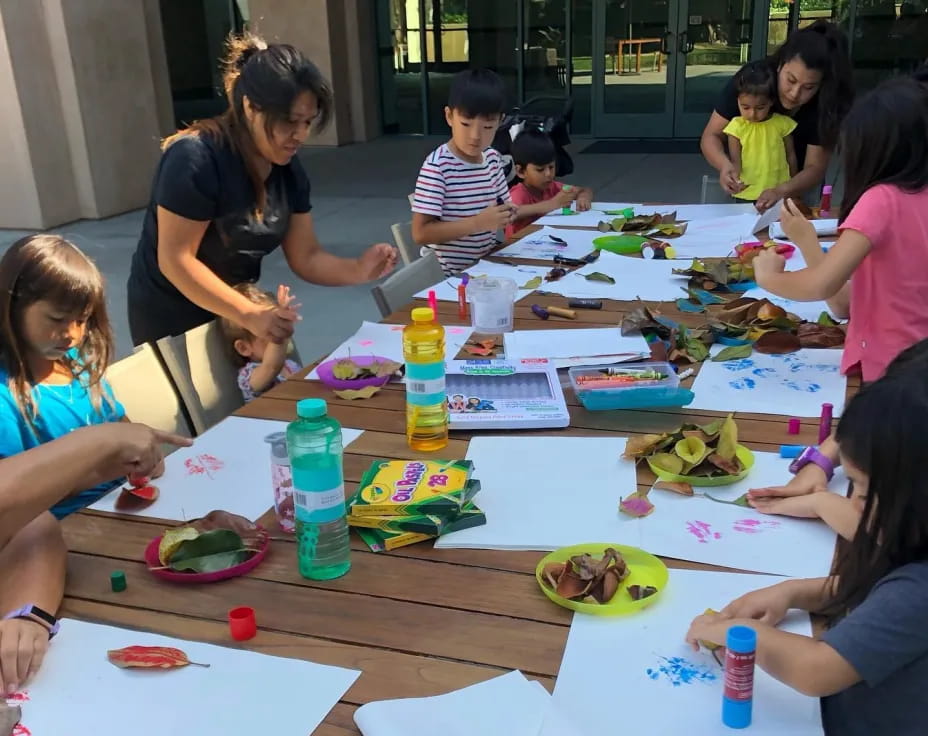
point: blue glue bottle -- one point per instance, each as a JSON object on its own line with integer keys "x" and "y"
{"x": 738, "y": 693}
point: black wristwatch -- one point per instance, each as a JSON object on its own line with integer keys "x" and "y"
{"x": 31, "y": 612}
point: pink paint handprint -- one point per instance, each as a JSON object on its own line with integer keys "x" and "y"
{"x": 754, "y": 526}
{"x": 14, "y": 700}
{"x": 203, "y": 465}
{"x": 702, "y": 531}
{"x": 20, "y": 730}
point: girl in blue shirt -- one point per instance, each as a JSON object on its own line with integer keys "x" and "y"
{"x": 55, "y": 345}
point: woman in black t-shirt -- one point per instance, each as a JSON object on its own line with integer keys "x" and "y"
{"x": 815, "y": 88}
{"x": 228, "y": 191}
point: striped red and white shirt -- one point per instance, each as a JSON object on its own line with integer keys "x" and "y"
{"x": 450, "y": 189}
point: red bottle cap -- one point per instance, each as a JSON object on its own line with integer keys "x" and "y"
{"x": 242, "y": 624}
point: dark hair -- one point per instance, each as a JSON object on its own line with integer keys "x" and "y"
{"x": 914, "y": 356}
{"x": 271, "y": 77}
{"x": 885, "y": 140}
{"x": 477, "y": 93}
{"x": 883, "y": 432}
{"x": 533, "y": 147}
{"x": 233, "y": 331}
{"x": 48, "y": 267}
{"x": 756, "y": 78}
{"x": 921, "y": 74}
{"x": 823, "y": 47}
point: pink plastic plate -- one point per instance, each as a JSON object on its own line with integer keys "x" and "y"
{"x": 151, "y": 559}
{"x": 784, "y": 249}
{"x": 325, "y": 374}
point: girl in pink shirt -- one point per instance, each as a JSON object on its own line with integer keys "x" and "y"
{"x": 882, "y": 248}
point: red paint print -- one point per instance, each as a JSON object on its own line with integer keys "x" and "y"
{"x": 16, "y": 698}
{"x": 203, "y": 465}
{"x": 20, "y": 730}
{"x": 702, "y": 531}
{"x": 754, "y": 526}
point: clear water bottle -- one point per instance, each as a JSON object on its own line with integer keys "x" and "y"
{"x": 314, "y": 443}
{"x": 426, "y": 399}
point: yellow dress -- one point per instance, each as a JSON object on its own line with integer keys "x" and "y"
{"x": 763, "y": 153}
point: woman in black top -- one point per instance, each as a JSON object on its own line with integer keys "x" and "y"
{"x": 230, "y": 190}
{"x": 815, "y": 88}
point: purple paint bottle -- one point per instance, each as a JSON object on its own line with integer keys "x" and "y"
{"x": 738, "y": 693}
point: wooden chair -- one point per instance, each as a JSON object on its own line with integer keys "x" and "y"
{"x": 399, "y": 289}
{"x": 206, "y": 378}
{"x": 402, "y": 235}
{"x": 144, "y": 388}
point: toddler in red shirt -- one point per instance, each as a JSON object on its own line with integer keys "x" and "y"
{"x": 534, "y": 157}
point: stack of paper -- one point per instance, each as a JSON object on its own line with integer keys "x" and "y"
{"x": 508, "y": 705}
{"x": 575, "y": 347}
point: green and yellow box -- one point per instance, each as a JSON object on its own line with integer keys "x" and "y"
{"x": 415, "y": 488}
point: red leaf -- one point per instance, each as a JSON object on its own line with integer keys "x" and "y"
{"x": 136, "y": 499}
{"x": 149, "y": 657}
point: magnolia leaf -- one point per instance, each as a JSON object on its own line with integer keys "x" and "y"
{"x": 384, "y": 368}
{"x": 350, "y": 394}
{"x": 150, "y": 657}
{"x": 769, "y": 311}
{"x": 712, "y": 429}
{"x": 636, "y": 504}
{"x": 705, "y": 297}
{"x": 637, "y": 592}
{"x": 696, "y": 349}
{"x": 644, "y": 320}
{"x": 684, "y": 489}
{"x": 731, "y": 467}
{"x": 685, "y": 305}
{"x": 172, "y": 539}
{"x": 345, "y": 369}
{"x": 825, "y": 319}
{"x": 211, "y": 551}
{"x": 532, "y": 283}
{"x": 728, "y": 439}
{"x": 742, "y": 500}
{"x": 211, "y": 563}
{"x": 667, "y": 462}
{"x": 599, "y": 276}
{"x": 618, "y": 224}
{"x": 732, "y": 353}
{"x": 691, "y": 450}
{"x": 777, "y": 343}
{"x": 669, "y": 229}
{"x": 641, "y": 445}
{"x": 136, "y": 499}
{"x": 812, "y": 335}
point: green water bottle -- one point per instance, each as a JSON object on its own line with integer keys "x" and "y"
{"x": 314, "y": 444}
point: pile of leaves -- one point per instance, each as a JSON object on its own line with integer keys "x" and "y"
{"x": 584, "y": 578}
{"x": 484, "y": 346}
{"x": 769, "y": 327}
{"x": 652, "y": 225}
{"x": 713, "y": 274}
{"x": 694, "y": 450}
{"x": 347, "y": 369}
{"x": 218, "y": 541}
{"x": 668, "y": 340}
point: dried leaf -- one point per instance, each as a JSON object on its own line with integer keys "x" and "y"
{"x": 149, "y": 657}
{"x": 345, "y": 369}
{"x": 813, "y": 335}
{"x": 384, "y": 368}
{"x": 350, "y": 394}
{"x": 172, "y": 539}
{"x": 733, "y": 352}
{"x": 669, "y": 230}
{"x": 252, "y": 535}
{"x": 599, "y": 276}
{"x": 684, "y": 489}
{"x": 691, "y": 450}
{"x": 667, "y": 462}
{"x": 637, "y": 592}
{"x": 728, "y": 439}
{"x": 211, "y": 551}
{"x": 570, "y": 585}
{"x": 477, "y": 350}
{"x": 136, "y": 499}
{"x": 825, "y": 319}
{"x": 641, "y": 445}
{"x": 552, "y": 572}
{"x": 742, "y": 500}
{"x": 777, "y": 343}
{"x": 532, "y": 283}
{"x": 604, "y": 227}
{"x": 731, "y": 467}
{"x": 636, "y": 504}
{"x": 556, "y": 273}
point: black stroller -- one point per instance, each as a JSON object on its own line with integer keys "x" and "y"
{"x": 552, "y": 115}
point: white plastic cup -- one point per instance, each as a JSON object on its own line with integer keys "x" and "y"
{"x": 492, "y": 304}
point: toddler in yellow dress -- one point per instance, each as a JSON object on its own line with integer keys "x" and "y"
{"x": 760, "y": 143}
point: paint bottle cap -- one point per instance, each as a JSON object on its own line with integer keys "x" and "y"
{"x": 422, "y": 314}
{"x": 827, "y": 189}
{"x": 242, "y": 624}
{"x": 794, "y": 425}
{"x": 118, "y": 581}
{"x": 741, "y": 639}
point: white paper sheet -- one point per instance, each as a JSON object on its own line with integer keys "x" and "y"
{"x": 822, "y": 228}
{"x": 579, "y": 343}
{"x": 228, "y": 468}
{"x": 796, "y": 384}
{"x": 508, "y": 705}
{"x": 634, "y": 278}
{"x": 768, "y": 218}
{"x": 809, "y": 311}
{"x": 541, "y": 245}
{"x": 590, "y": 218}
{"x": 447, "y": 290}
{"x": 688, "y": 212}
{"x": 240, "y": 692}
{"x": 638, "y": 671}
{"x": 715, "y": 237}
{"x": 386, "y": 341}
{"x": 701, "y": 530}
{"x": 548, "y": 492}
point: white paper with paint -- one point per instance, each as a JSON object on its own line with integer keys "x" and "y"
{"x": 634, "y": 278}
{"x": 590, "y": 218}
{"x": 447, "y": 290}
{"x": 714, "y": 238}
{"x": 639, "y": 672}
{"x": 228, "y": 467}
{"x": 595, "y": 342}
{"x": 508, "y": 705}
{"x": 823, "y": 228}
{"x": 542, "y": 493}
{"x": 701, "y": 530}
{"x": 542, "y": 244}
{"x": 809, "y": 311}
{"x": 240, "y": 692}
{"x": 796, "y": 384}
{"x": 386, "y": 341}
{"x": 768, "y": 217}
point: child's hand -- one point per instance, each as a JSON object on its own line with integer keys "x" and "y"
{"x": 795, "y": 226}
{"x": 710, "y": 627}
{"x": 274, "y": 324}
{"x": 285, "y": 299}
{"x": 802, "y": 507}
{"x": 767, "y": 199}
{"x": 565, "y": 198}
{"x": 767, "y": 263}
{"x": 23, "y": 644}
{"x": 584, "y": 203}
{"x": 730, "y": 179}
{"x": 495, "y": 217}
{"x": 768, "y": 605}
{"x": 377, "y": 261}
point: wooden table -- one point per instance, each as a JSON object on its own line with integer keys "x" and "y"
{"x": 416, "y": 621}
{"x": 634, "y": 45}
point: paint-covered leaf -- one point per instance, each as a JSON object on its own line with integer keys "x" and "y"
{"x": 691, "y": 450}
{"x": 684, "y": 489}
{"x": 777, "y": 343}
{"x": 136, "y": 498}
{"x": 556, "y": 273}
{"x": 149, "y": 657}
{"x": 211, "y": 551}
{"x": 704, "y": 297}
{"x": 532, "y": 283}
{"x": 636, "y": 504}
{"x": 350, "y": 394}
{"x": 667, "y": 462}
{"x": 599, "y": 276}
{"x": 813, "y": 335}
{"x": 641, "y": 445}
{"x": 685, "y": 305}
{"x": 733, "y": 352}
{"x": 728, "y": 439}
{"x": 646, "y": 321}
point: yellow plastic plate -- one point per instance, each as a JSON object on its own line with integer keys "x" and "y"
{"x": 644, "y": 569}
{"x": 744, "y": 455}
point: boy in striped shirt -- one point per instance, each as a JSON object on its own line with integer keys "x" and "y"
{"x": 462, "y": 198}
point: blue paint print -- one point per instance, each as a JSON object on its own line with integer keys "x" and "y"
{"x": 764, "y": 372}
{"x": 680, "y": 671}
{"x": 804, "y": 386}
{"x": 742, "y": 364}
{"x": 743, "y": 383}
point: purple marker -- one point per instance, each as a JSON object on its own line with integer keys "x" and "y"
{"x": 824, "y": 424}
{"x": 540, "y": 311}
